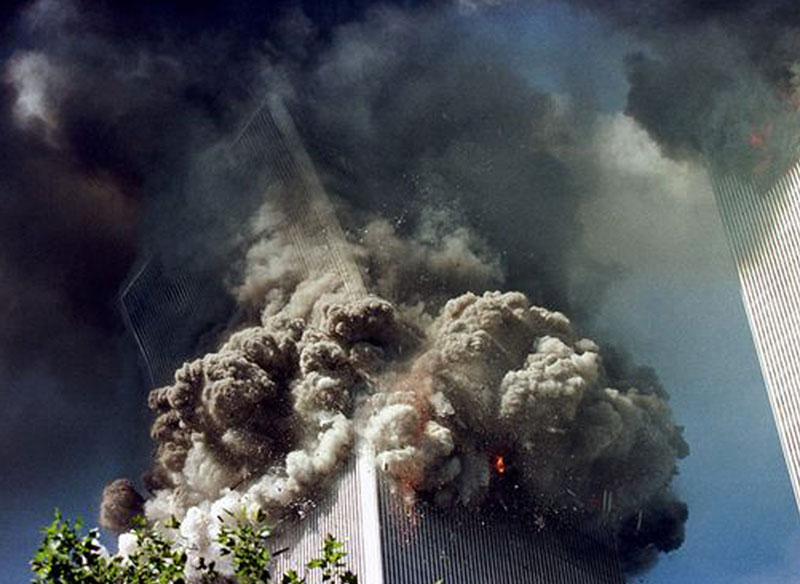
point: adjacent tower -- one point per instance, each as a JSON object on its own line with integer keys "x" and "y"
{"x": 763, "y": 227}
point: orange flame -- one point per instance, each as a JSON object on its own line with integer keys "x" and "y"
{"x": 755, "y": 139}
{"x": 499, "y": 464}
{"x": 758, "y": 136}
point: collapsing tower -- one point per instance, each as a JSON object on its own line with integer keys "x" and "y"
{"x": 763, "y": 227}
{"x": 389, "y": 540}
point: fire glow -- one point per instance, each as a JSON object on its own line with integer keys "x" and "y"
{"x": 758, "y": 136}
{"x": 499, "y": 464}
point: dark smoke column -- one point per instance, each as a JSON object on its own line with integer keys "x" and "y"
{"x": 763, "y": 227}
{"x": 389, "y": 540}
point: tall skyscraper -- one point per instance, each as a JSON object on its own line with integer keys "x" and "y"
{"x": 763, "y": 227}
{"x": 389, "y": 539}
{"x": 393, "y": 541}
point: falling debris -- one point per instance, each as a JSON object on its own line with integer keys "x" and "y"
{"x": 268, "y": 420}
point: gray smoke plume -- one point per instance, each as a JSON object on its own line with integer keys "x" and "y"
{"x": 446, "y": 391}
{"x": 418, "y": 113}
{"x": 510, "y": 382}
{"x": 455, "y": 175}
{"x": 124, "y": 504}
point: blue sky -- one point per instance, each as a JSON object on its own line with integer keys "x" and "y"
{"x": 743, "y": 524}
{"x": 83, "y": 448}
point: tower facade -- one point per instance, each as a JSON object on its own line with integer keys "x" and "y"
{"x": 763, "y": 227}
{"x": 393, "y": 541}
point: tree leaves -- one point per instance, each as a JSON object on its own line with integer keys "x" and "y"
{"x": 67, "y": 556}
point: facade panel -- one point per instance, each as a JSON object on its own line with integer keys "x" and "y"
{"x": 270, "y": 139}
{"x": 471, "y": 546}
{"x": 349, "y": 512}
{"x": 159, "y": 310}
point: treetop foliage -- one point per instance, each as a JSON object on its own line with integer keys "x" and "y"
{"x": 69, "y": 556}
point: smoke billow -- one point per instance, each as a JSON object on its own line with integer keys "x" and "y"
{"x": 126, "y": 504}
{"x": 502, "y": 378}
{"x": 715, "y": 80}
{"x": 268, "y": 419}
{"x": 443, "y": 389}
{"x": 455, "y": 175}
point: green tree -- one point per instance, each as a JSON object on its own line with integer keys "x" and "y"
{"x": 68, "y": 556}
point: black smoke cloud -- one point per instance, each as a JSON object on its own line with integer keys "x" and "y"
{"x": 106, "y": 157}
{"x": 104, "y": 109}
{"x": 131, "y": 102}
{"x": 92, "y": 126}
{"x": 100, "y": 118}
{"x": 715, "y": 80}
{"x": 414, "y": 114}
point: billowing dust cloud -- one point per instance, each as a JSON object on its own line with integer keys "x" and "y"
{"x": 443, "y": 391}
{"x": 448, "y": 383}
{"x": 466, "y": 394}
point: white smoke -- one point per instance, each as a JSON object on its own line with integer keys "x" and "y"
{"x": 36, "y": 81}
